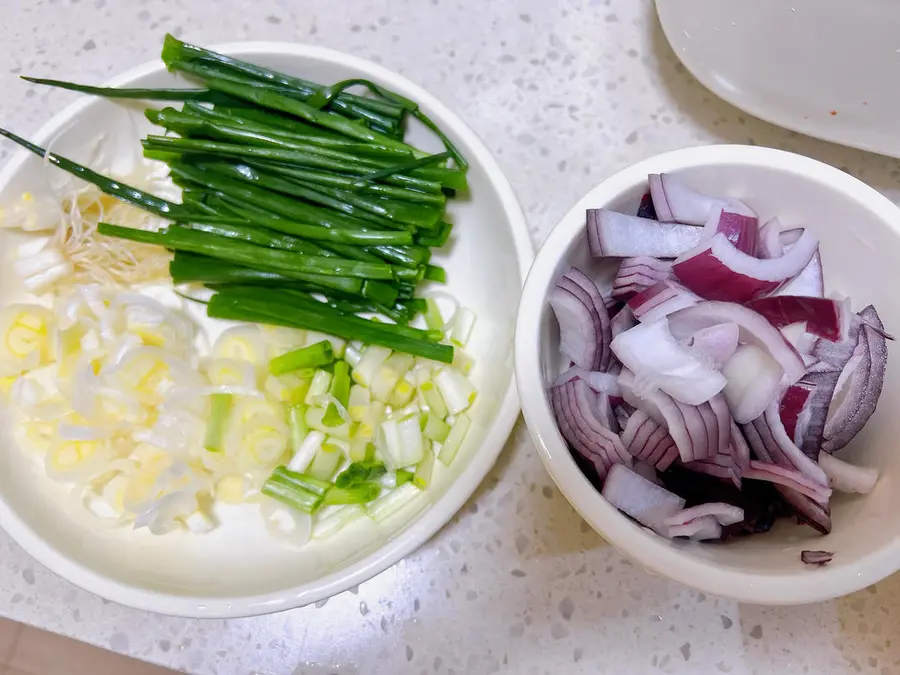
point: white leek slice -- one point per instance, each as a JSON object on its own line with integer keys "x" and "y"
{"x": 26, "y": 338}
{"x": 456, "y": 390}
{"x": 454, "y": 439}
{"x": 369, "y": 365}
{"x": 314, "y": 419}
{"x": 461, "y": 327}
{"x": 387, "y": 505}
{"x": 43, "y": 281}
{"x": 359, "y": 402}
{"x": 318, "y": 387}
{"x": 333, "y": 522}
{"x": 424, "y": 469}
{"x": 245, "y": 343}
{"x": 389, "y": 374}
{"x": 306, "y": 451}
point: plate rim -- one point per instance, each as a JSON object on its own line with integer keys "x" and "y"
{"x": 434, "y": 516}
{"x": 758, "y": 111}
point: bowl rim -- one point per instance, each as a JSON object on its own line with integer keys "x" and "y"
{"x": 651, "y": 551}
{"x": 432, "y": 518}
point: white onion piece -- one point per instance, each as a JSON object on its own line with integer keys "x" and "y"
{"x": 754, "y": 329}
{"x": 699, "y": 529}
{"x": 673, "y": 200}
{"x": 716, "y": 344}
{"x": 616, "y": 235}
{"x": 646, "y": 502}
{"x": 725, "y": 514}
{"x": 652, "y": 354}
{"x": 717, "y": 270}
{"x": 753, "y": 380}
{"x": 639, "y": 272}
{"x": 846, "y": 477}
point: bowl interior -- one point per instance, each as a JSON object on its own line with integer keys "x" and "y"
{"x": 239, "y": 569}
{"x": 860, "y": 247}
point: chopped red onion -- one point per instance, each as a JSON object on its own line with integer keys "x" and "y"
{"x": 717, "y": 270}
{"x": 769, "y": 245}
{"x": 658, "y": 360}
{"x": 599, "y": 382}
{"x": 717, "y": 343}
{"x": 617, "y": 235}
{"x": 675, "y": 201}
{"x": 803, "y": 342}
{"x": 646, "y": 502}
{"x": 646, "y": 210}
{"x": 864, "y": 386}
{"x": 845, "y": 477}
{"x": 795, "y": 411}
{"x": 579, "y": 327}
{"x": 641, "y": 271}
{"x": 622, "y": 321}
{"x": 663, "y": 408}
{"x": 790, "y": 478}
{"x": 649, "y": 441}
{"x": 810, "y": 511}
{"x": 823, "y": 384}
{"x": 818, "y": 558}
{"x": 824, "y": 317}
{"x": 741, "y": 230}
{"x": 754, "y": 329}
{"x": 586, "y": 426}
{"x": 810, "y": 282}
{"x": 753, "y": 381}
{"x": 660, "y": 300}
{"x": 588, "y": 286}
{"x": 699, "y": 529}
{"x": 789, "y": 453}
{"x": 725, "y": 514}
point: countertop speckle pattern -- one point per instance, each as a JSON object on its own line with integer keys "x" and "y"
{"x": 564, "y": 93}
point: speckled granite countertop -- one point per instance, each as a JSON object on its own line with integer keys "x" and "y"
{"x": 564, "y": 93}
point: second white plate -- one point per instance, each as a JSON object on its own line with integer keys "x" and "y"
{"x": 826, "y": 68}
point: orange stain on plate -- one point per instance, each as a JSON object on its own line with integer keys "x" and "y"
{"x": 833, "y": 113}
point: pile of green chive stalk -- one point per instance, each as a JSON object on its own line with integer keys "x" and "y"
{"x": 302, "y": 205}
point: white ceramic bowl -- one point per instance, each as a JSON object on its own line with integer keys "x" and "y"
{"x": 860, "y": 243}
{"x": 238, "y": 570}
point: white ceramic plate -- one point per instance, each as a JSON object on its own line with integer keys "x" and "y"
{"x": 239, "y": 570}
{"x": 826, "y": 68}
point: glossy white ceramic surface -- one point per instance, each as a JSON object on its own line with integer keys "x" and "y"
{"x": 826, "y": 68}
{"x": 859, "y": 233}
{"x": 239, "y": 569}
